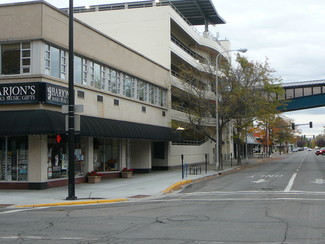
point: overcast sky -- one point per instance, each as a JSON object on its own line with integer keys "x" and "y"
{"x": 290, "y": 33}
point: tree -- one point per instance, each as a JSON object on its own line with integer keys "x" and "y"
{"x": 246, "y": 92}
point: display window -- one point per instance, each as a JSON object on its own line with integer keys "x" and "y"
{"x": 14, "y": 158}
{"x": 106, "y": 154}
{"x": 58, "y": 157}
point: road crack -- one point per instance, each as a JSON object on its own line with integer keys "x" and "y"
{"x": 267, "y": 214}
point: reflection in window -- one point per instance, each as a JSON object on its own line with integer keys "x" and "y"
{"x": 128, "y": 86}
{"x": 84, "y": 71}
{"x": 114, "y": 81}
{"x": 55, "y": 62}
{"x": 97, "y": 79}
{"x": 77, "y": 69}
{"x": 151, "y": 94}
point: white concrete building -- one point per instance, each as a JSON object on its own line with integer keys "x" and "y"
{"x": 165, "y": 32}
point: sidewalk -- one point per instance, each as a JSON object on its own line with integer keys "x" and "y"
{"x": 149, "y": 185}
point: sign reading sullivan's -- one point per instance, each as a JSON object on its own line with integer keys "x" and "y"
{"x": 36, "y": 92}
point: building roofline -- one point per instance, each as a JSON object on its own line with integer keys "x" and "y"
{"x": 196, "y": 12}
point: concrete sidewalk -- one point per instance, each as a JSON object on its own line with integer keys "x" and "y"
{"x": 139, "y": 186}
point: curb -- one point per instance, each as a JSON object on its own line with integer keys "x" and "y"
{"x": 176, "y": 186}
{"x": 73, "y": 203}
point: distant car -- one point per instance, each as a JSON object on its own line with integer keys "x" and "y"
{"x": 309, "y": 149}
{"x": 295, "y": 149}
{"x": 320, "y": 151}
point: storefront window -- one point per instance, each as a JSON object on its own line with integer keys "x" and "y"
{"x": 106, "y": 154}
{"x": 14, "y": 158}
{"x": 58, "y": 157}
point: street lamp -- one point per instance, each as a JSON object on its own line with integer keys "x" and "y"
{"x": 71, "y": 129}
{"x": 242, "y": 50}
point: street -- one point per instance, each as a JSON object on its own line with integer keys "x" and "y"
{"x": 280, "y": 201}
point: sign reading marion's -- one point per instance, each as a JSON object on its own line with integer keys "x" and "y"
{"x": 36, "y": 92}
{"x": 19, "y": 93}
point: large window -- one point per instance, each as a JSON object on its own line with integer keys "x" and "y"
{"x": 15, "y": 58}
{"x": 77, "y": 70}
{"x": 14, "y": 158}
{"x": 90, "y": 73}
{"x": 106, "y": 154}
{"x": 128, "y": 86}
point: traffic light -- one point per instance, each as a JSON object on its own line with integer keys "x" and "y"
{"x": 293, "y": 126}
{"x": 310, "y": 124}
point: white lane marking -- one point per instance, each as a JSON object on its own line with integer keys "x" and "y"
{"x": 39, "y": 238}
{"x": 288, "y": 188}
{"x": 318, "y": 181}
{"x": 20, "y": 210}
{"x": 259, "y": 181}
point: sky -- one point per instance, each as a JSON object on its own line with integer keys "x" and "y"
{"x": 289, "y": 33}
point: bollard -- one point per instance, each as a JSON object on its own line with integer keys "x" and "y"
{"x": 182, "y": 157}
{"x": 206, "y": 163}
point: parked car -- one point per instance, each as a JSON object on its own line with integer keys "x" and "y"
{"x": 320, "y": 151}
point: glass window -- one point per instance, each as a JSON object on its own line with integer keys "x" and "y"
{"x": 151, "y": 94}
{"x": 307, "y": 91}
{"x": 289, "y": 93}
{"x": 97, "y": 78}
{"x": 85, "y": 71}
{"x": 128, "y": 86}
{"x": 141, "y": 90}
{"x": 115, "y": 81}
{"x": 47, "y": 59}
{"x": 298, "y": 92}
{"x": 55, "y": 62}
{"x": 25, "y": 58}
{"x": 106, "y": 155}
{"x": 317, "y": 90}
{"x": 77, "y": 69}
{"x": 10, "y": 59}
{"x": 14, "y": 158}
{"x": 63, "y": 64}
{"x": 103, "y": 78}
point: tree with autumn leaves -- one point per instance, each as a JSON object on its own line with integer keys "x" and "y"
{"x": 278, "y": 130}
{"x": 247, "y": 92}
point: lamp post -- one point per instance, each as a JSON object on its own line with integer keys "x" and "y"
{"x": 71, "y": 129}
{"x": 242, "y": 50}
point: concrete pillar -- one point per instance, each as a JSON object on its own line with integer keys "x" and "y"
{"x": 37, "y": 158}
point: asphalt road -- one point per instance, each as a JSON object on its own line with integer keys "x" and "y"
{"x": 279, "y": 201}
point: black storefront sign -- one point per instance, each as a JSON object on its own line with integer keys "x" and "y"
{"x": 19, "y": 93}
{"x": 36, "y": 92}
{"x": 57, "y": 95}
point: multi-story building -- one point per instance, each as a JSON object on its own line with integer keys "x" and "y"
{"x": 125, "y": 122}
{"x": 165, "y": 32}
{"x": 126, "y": 71}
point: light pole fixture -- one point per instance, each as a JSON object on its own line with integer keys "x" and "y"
{"x": 218, "y": 165}
{"x": 71, "y": 129}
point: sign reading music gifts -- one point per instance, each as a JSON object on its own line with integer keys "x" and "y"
{"x": 36, "y": 92}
